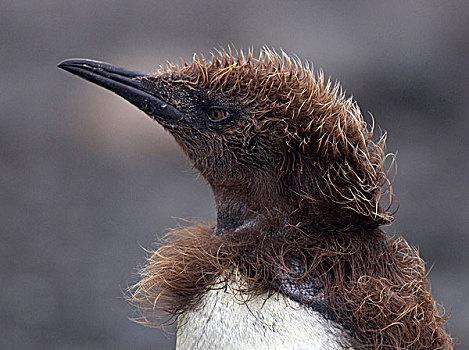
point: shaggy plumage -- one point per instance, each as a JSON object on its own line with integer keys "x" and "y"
{"x": 376, "y": 285}
{"x": 325, "y": 207}
{"x": 321, "y": 134}
{"x": 299, "y": 185}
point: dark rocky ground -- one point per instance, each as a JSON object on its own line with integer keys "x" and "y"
{"x": 86, "y": 179}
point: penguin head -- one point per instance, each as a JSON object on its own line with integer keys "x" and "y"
{"x": 267, "y": 128}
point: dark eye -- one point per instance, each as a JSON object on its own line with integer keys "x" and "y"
{"x": 217, "y": 114}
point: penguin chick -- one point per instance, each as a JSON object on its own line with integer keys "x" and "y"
{"x": 297, "y": 258}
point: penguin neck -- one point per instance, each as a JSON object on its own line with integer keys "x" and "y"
{"x": 241, "y": 207}
{"x": 237, "y": 211}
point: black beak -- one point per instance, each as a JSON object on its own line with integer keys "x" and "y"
{"x": 125, "y": 83}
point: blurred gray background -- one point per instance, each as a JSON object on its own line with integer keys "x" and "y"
{"x": 87, "y": 180}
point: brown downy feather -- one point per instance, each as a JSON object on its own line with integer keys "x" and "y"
{"x": 377, "y": 285}
{"x": 324, "y": 130}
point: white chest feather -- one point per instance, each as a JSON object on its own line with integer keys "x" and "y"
{"x": 224, "y": 321}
